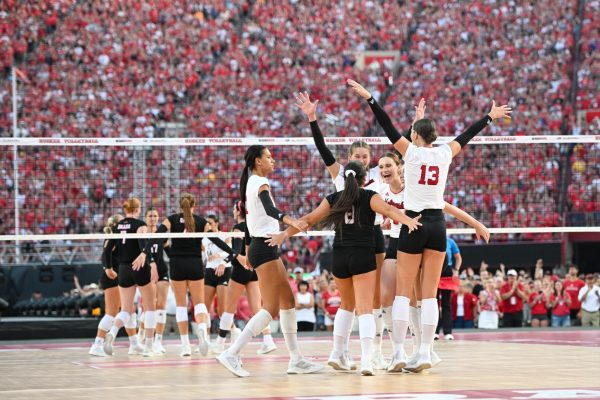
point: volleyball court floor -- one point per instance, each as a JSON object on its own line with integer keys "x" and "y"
{"x": 524, "y": 364}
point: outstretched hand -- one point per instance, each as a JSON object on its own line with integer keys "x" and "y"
{"x": 420, "y": 110}
{"x": 359, "y": 89}
{"x": 499, "y": 112}
{"x": 308, "y": 108}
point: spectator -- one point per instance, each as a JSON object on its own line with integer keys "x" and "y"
{"x": 537, "y": 301}
{"x": 589, "y": 296}
{"x": 298, "y": 276}
{"x": 513, "y": 293}
{"x": 320, "y": 289}
{"x": 464, "y": 306}
{"x": 331, "y": 301}
{"x": 573, "y": 285}
{"x": 450, "y": 270}
{"x": 560, "y": 301}
{"x": 478, "y": 287}
{"x": 305, "y": 308}
{"x": 489, "y": 302}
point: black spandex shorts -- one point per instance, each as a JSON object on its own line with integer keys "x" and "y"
{"x": 186, "y": 268}
{"x": 241, "y": 275}
{"x": 350, "y": 261}
{"x": 107, "y": 283}
{"x": 431, "y": 235}
{"x": 211, "y": 278}
{"x": 260, "y": 252}
{"x": 392, "y": 249}
{"x": 128, "y": 277}
{"x": 379, "y": 240}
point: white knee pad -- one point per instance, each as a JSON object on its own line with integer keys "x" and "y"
{"x": 123, "y": 316}
{"x": 259, "y": 321}
{"x": 181, "y": 314}
{"x": 200, "y": 308}
{"x": 287, "y": 321}
{"x": 132, "y": 323}
{"x": 106, "y": 323}
{"x": 161, "y": 317}
{"x": 150, "y": 322}
{"x": 430, "y": 312}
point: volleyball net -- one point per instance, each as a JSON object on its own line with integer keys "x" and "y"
{"x": 64, "y": 189}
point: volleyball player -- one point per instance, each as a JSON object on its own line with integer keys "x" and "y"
{"x": 187, "y": 270}
{"x": 131, "y": 276}
{"x": 352, "y": 213}
{"x": 359, "y": 151}
{"x": 426, "y": 171}
{"x": 242, "y": 278}
{"x": 277, "y": 296}
{"x": 162, "y": 286}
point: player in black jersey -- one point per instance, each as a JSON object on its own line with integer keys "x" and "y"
{"x": 131, "y": 276}
{"x": 162, "y": 286}
{"x": 352, "y": 212}
{"x": 243, "y": 277}
{"x": 187, "y": 269}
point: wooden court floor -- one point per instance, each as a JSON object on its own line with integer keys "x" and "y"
{"x": 525, "y": 364}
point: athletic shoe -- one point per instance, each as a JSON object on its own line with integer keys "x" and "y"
{"x": 351, "y": 362}
{"x": 436, "y": 337}
{"x": 158, "y": 348}
{"x": 366, "y": 368}
{"x": 217, "y": 348}
{"x": 149, "y": 352}
{"x": 303, "y": 366}
{"x": 108, "y": 344}
{"x": 266, "y": 348}
{"x": 449, "y": 337}
{"x": 235, "y": 333}
{"x": 203, "y": 343}
{"x": 398, "y": 362}
{"x": 232, "y": 363}
{"x": 136, "y": 349}
{"x": 419, "y": 363}
{"x": 378, "y": 361}
{"x": 339, "y": 363}
{"x": 97, "y": 350}
{"x": 435, "y": 359}
{"x": 186, "y": 350}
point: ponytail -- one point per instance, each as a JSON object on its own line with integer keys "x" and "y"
{"x": 255, "y": 151}
{"x": 186, "y": 203}
{"x": 355, "y": 175}
{"x": 111, "y": 223}
{"x": 131, "y": 205}
{"x": 243, "y": 184}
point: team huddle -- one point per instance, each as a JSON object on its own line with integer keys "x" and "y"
{"x": 387, "y": 289}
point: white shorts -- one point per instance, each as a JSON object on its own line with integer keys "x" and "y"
{"x": 328, "y": 321}
{"x": 488, "y": 320}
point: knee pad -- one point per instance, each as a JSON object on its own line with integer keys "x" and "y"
{"x": 161, "y": 317}
{"x": 106, "y": 323}
{"x": 132, "y": 322}
{"x": 287, "y": 321}
{"x": 260, "y": 320}
{"x": 430, "y": 312}
{"x": 123, "y": 316}
{"x": 150, "y": 322}
{"x": 181, "y": 314}
{"x": 200, "y": 308}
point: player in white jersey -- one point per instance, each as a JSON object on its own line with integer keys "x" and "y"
{"x": 425, "y": 174}
{"x": 262, "y": 219}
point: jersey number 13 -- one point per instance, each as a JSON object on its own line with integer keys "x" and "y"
{"x": 430, "y": 175}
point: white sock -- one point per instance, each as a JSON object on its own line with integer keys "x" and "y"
{"x": 400, "y": 320}
{"x": 430, "y": 314}
{"x": 202, "y": 329}
{"x": 388, "y": 322}
{"x": 378, "y": 317}
{"x": 185, "y": 340}
{"x": 289, "y": 328}
{"x": 149, "y": 342}
{"x": 256, "y": 324}
{"x": 99, "y": 341}
{"x": 133, "y": 340}
{"x": 415, "y": 327}
{"x": 158, "y": 338}
{"x": 367, "y": 331}
{"x": 342, "y": 325}
{"x": 267, "y": 338}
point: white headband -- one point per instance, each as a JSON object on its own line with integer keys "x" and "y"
{"x": 349, "y": 172}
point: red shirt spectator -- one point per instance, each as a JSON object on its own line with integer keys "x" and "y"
{"x": 572, "y": 284}
{"x": 469, "y": 305}
{"x": 514, "y": 303}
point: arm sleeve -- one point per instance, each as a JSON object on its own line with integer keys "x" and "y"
{"x": 237, "y": 244}
{"x": 325, "y": 153}
{"x": 473, "y": 130}
{"x": 270, "y": 209}
{"x": 384, "y": 121}
{"x": 107, "y": 253}
{"x": 223, "y": 246}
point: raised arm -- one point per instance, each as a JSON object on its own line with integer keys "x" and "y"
{"x": 310, "y": 110}
{"x": 480, "y": 230}
{"x": 461, "y": 140}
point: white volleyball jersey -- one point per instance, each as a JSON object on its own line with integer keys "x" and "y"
{"x": 373, "y": 183}
{"x": 396, "y": 200}
{"x": 211, "y": 249}
{"x": 425, "y": 175}
{"x": 258, "y": 222}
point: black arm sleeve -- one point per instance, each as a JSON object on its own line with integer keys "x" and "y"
{"x": 224, "y": 246}
{"x": 406, "y": 134}
{"x": 325, "y": 153}
{"x": 237, "y": 244}
{"x": 384, "y": 121}
{"x": 247, "y": 237}
{"x": 109, "y": 246}
{"x": 270, "y": 208}
{"x": 473, "y": 130}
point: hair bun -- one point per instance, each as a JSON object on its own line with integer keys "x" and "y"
{"x": 349, "y": 172}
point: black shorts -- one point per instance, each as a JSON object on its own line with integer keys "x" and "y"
{"x": 431, "y": 235}
{"x": 186, "y": 268}
{"x": 541, "y": 317}
{"x": 379, "y": 240}
{"x": 107, "y": 283}
{"x": 392, "y": 249}
{"x": 350, "y": 261}
{"x": 128, "y": 277}
{"x": 243, "y": 276}
{"x": 163, "y": 272}
{"x": 211, "y": 278}
{"x": 260, "y": 253}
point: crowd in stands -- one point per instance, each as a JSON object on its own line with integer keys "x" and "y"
{"x": 117, "y": 68}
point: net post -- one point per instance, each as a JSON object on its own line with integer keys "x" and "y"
{"x": 15, "y": 163}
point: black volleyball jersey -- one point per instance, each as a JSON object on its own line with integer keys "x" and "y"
{"x": 186, "y": 247}
{"x": 156, "y": 252}
{"x": 110, "y": 260}
{"x": 128, "y": 249}
{"x": 357, "y": 229}
{"x": 238, "y": 244}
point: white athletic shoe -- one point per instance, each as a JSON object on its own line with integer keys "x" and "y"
{"x": 108, "y": 344}
{"x": 339, "y": 363}
{"x": 149, "y": 352}
{"x": 97, "y": 351}
{"x": 235, "y": 333}
{"x": 186, "y": 350}
{"x": 136, "y": 349}
{"x": 449, "y": 337}
{"x": 419, "y": 363}
{"x": 266, "y": 348}
{"x": 158, "y": 348}
{"x": 378, "y": 361}
{"x": 398, "y": 362}
{"x": 217, "y": 348}
{"x": 303, "y": 366}
{"x": 232, "y": 363}
{"x": 366, "y": 367}
{"x": 203, "y": 343}
{"x": 435, "y": 359}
